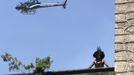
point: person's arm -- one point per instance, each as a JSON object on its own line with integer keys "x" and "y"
{"x": 91, "y": 65}
{"x": 106, "y": 64}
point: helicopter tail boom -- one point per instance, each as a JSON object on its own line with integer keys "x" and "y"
{"x": 64, "y": 4}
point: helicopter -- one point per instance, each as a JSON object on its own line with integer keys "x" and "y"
{"x": 30, "y": 6}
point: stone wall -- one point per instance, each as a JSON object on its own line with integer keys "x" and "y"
{"x": 124, "y": 37}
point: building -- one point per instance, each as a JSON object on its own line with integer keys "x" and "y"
{"x": 124, "y": 37}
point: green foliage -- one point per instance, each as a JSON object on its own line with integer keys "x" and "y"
{"x": 43, "y": 63}
{"x": 14, "y": 64}
{"x": 28, "y": 66}
{"x": 6, "y": 57}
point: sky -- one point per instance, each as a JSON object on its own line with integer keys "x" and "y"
{"x": 69, "y": 36}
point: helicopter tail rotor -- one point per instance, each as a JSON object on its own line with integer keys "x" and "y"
{"x": 64, "y": 4}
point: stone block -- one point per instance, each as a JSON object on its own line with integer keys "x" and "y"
{"x": 130, "y": 15}
{"x": 119, "y": 31}
{"x": 130, "y": 22}
{"x": 131, "y": 66}
{"x": 130, "y": 8}
{"x": 130, "y": 47}
{"x": 120, "y": 38}
{"x": 130, "y": 73}
{"x": 120, "y": 25}
{"x": 121, "y": 8}
{"x": 128, "y": 38}
{"x": 120, "y": 18}
{"x": 119, "y": 47}
{"x": 124, "y": 38}
{"x": 130, "y": 57}
{"x": 121, "y": 56}
{"x": 130, "y": 0}
{"x": 121, "y": 66}
{"x": 121, "y": 1}
{"x": 130, "y": 29}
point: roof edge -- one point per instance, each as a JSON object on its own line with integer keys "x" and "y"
{"x": 83, "y": 71}
{"x": 78, "y": 71}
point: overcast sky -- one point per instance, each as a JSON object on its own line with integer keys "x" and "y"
{"x": 69, "y": 36}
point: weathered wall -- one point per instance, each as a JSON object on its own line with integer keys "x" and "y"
{"x": 124, "y": 37}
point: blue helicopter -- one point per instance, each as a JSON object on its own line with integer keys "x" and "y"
{"x": 31, "y": 6}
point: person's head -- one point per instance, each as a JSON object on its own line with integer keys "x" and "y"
{"x": 99, "y": 54}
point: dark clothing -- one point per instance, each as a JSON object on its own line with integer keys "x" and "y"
{"x": 99, "y": 56}
{"x": 99, "y": 64}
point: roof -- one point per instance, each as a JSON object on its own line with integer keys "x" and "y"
{"x": 94, "y": 71}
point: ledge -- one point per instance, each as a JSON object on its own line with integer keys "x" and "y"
{"x": 93, "y": 71}
{"x": 84, "y": 71}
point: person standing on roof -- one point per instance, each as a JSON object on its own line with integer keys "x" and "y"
{"x": 99, "y": 61}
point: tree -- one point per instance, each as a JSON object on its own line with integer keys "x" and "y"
{"x": 41, "y": 64}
